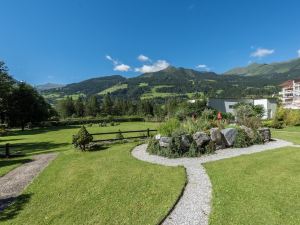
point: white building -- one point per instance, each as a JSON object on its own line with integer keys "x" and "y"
{"x": 290, "y": 94}
{"x": 226, "y": 105}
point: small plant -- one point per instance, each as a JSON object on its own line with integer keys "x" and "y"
{"x": 153, "y": 146}
{"x": 119, "y": 135}
{"x": 82, "y": 139}
{"x": 167, "y": 128}
{"x": 210, "y": 147}
{"x": 112, "y": 123}
{"x": 242, "y": 140}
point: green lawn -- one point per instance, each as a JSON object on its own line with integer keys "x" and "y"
{"x": 102, "y": 187}
{"x": 291, "y": 134}
{"x": 262, "y": 188}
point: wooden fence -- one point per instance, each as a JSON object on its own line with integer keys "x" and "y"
{"x": 7, "y": 149}
{"x": 146, "y": 133}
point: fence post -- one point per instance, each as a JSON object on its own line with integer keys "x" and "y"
{"x": 7, "y": 150}
{"x": 148, "y": 132}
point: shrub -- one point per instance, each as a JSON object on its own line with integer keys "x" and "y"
{"x": 119, "y": 135}
{"x": 153, "y": 146}
{"x": 82, "y": 139}
{"x": 210, "y": 147}
{"x": 167, "y": 128}
{"x": 3, "y": 131}
{"x": 242, "y": 140}
{"x": 112, "y": 124}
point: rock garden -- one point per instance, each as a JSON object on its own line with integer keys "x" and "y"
{"x": 204, "y": 135}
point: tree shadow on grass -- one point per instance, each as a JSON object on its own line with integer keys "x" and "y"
{"x": 11, "y": 207}
{"x": 10, "y": 162}
{"x": 40, "y": 130}
{"x": 36, "y": 147}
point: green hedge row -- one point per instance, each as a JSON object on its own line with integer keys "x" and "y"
{"x": 82, "y": 121}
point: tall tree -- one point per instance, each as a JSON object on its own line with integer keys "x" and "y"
{"x": 26, "y": 105}
{"x": 6, "y": 87}
{"x": 79, "y": 107}
{"x": 107, "y": 105}
{"x": 92, "y": 106}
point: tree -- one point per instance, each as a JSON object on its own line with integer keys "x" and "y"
{"x": 66, "y": 107}
{"x": 79, "y": 107}
{"x": 26, "y": 105}
{"x": 107, "y": 105}
{"x": 6, "y": 87}
{"x": 92, "y": 106}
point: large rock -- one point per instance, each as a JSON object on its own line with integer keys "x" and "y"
{"x": 165, "y": 141}
{"x": 201, "y": 138}
{"x": 248, "y": 131}
{"x": 265, "y": 134}
{"x": 216, "y": 137}
{"x": 157, "y": 137}
{"x": 185, "y": 141}
{"x": 229, "y": 135}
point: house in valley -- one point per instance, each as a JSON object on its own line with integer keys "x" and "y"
{"x": 290, "y": 94}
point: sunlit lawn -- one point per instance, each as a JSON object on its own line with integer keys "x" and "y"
{"x": 101, "y": 187}
{"x": 262, "y": 188}
{"x": 291, "y": 134}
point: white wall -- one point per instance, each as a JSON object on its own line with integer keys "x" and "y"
{"x": 264, "y": 103}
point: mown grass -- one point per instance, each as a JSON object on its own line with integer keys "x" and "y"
{"x": 101, "y": 187}
{"x": 105, "y": 187}
{"x": 291, "y": 134}
{"x": 261, "y": 188}
{"x": 56, "y": 139}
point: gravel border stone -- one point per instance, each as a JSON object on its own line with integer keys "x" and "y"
{"x": 14, "y": 182}
{"x": 194, "y": 207}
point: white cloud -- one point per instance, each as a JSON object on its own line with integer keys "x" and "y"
{"x": 202, "y": 67}
{"x": 122, "y": 68}
{"x": 118, "y": 66}
{"x": 157, "y": 66}
{"x": 143, "y": 58}
{"x": 114, "y": 61}
{"x": 262, "y": 52}
{"x": 298, "y": 53}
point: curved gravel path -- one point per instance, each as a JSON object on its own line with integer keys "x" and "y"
{"x": 195, "y": 204}
{"x": 15, "y": 181}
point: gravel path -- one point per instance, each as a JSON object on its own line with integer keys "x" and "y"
{"x": 14, "y": 182}
{"x": 194, "y": 206}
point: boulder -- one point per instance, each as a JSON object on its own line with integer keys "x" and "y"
{"x": 185, "y": 141}
{"x": 157, "y": 137}
{"x": 248, "y": 131}
{"x": 201, "y": 138}
{"x": 265, "y": 134}
{"x": 229, "y": 135}
{"x": 216, "y": 137}
{"x": 165, "y": 141}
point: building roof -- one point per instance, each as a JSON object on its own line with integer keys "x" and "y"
{"x": 289, "y": 83}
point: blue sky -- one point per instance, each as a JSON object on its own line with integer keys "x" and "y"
{"x": 67, "y": 41}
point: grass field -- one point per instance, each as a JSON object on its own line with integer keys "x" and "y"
{"x": 291, "y": 134}
{"x": 101, "y": 187}
{"x": 256, "y": 189}
{"x": 113, "y": 89}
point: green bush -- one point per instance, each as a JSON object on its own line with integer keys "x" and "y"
{"x": 167, "y": 128}
{"x": 210, "y": 147}
{"x": 242, "y": 140}
{"x": 153, "y": 146}
{"x": 119, "y": 135}
{"x": 82, "y": 139}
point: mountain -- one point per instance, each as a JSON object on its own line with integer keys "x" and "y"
{"x": 256, "y": 80}
{"x": 256, "y": 69}
{"x": 47, "y": 86}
